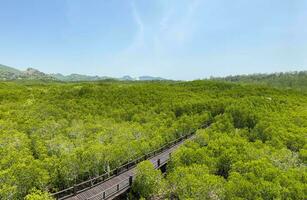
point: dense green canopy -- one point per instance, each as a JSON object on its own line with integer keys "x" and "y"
{"x": 254, "y": 149}
{"x": 53, "y": 135}
{"x": 288, "y": 80}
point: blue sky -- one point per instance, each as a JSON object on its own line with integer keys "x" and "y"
{"x": 179, "y": 39}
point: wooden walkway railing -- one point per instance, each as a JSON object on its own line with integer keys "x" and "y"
{"x": 111, "y": 191}
{"x": 80, "y": 187}
{"x": 121, "y": 186}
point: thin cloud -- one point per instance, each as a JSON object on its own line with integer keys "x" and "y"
{"x": 138, "y": 40}
{"x": 176, "y": 26}
{"x": 164, "y": 23}
{"x": 183, "y": 29}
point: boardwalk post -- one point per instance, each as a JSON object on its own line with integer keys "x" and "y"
{"x": 159, "y": 162}
{"x": 169, "y": 154}
{"x": 75, "y": 190}
{"x": 103, "y": 195}
{"x": 117, "y": 187}
{"x": 130, "y": 180}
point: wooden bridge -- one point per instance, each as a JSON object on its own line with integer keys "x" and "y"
{"x": 118, "y": 181}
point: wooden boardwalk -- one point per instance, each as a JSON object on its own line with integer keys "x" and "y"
{"x": 119, "y": 184}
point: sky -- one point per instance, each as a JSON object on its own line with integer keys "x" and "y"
{"x": 176, "y": 39}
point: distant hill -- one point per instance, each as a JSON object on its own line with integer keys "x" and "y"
{"x": 10, "y": 73}
{"x": 142, "y": 78}
{"x": 78, "y": 77}
{"x": 127, "y": 78}
{"x": 287, "y": 80}
{"x": 150, "y": 78}
{"x": 8, "y": 69}
{"x": 34, "y": 74}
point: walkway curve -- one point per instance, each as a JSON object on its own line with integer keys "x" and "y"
{"x": 118, "y": 181}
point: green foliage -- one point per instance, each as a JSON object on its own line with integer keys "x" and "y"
{"x": 254, "y": 149}
{"x": 195, "y": 182}
{"x": 288, "y": 80}
{"x": 53, "y": 135}
{"x": 38, "y": 195}
{"x": 223, "y": 163}
{"x": 148, "y": 181}
{"x": 303, "y": 154}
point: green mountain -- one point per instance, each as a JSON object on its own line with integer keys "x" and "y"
{"x": 78, "y": 77}
{"x": 150, "y": 78}
{"x": 10, "y": 73}
{"x": 4, "y": 68}
{"x": 287, "y": 80}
